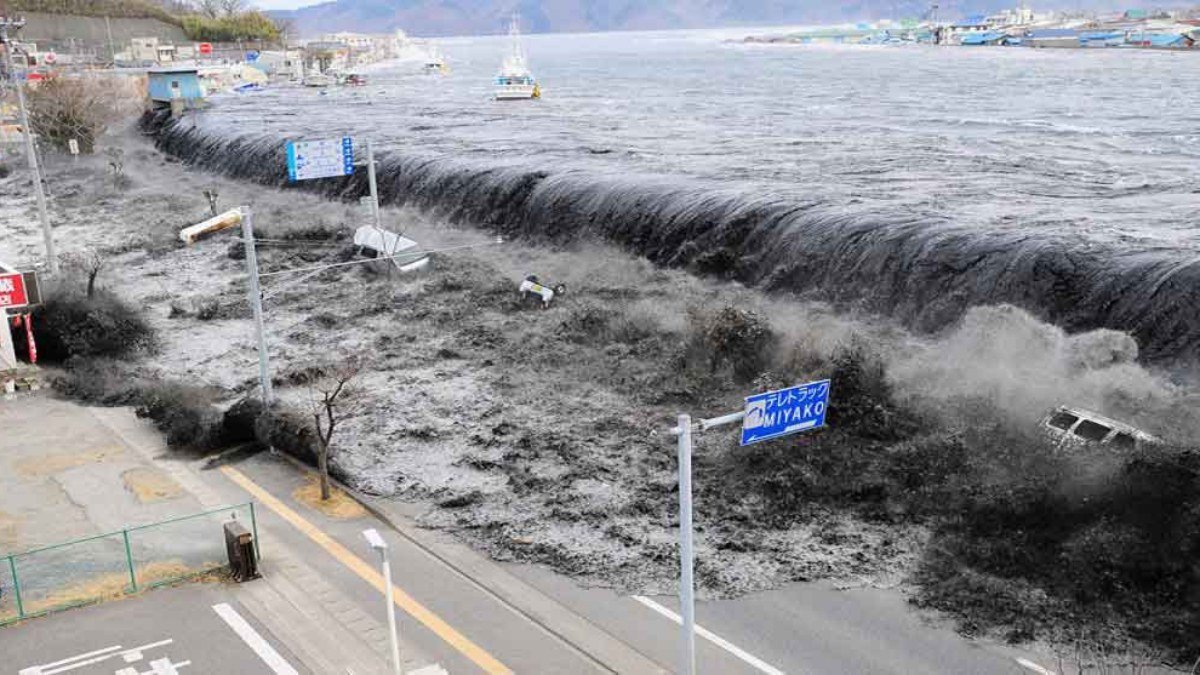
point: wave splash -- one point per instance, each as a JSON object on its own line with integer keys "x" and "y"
{"x": 917, "y": 266}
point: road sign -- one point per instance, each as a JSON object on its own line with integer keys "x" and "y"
{"x": 778, "y": 413}
{"x": 205, "y": 48}
{"x": 73, "y": 146}
{"x": 12, "y": 291}
{"x": 251, "y": 56}
{"x": 320, "y": 159}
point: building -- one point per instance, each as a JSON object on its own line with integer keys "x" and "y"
{"x": 1053, "y": 38}
{"x": 288, "y": 65}
{"x": 1160, "y": 40}
{"x": 992, "y": 38}
{"x": 176, "y": 87}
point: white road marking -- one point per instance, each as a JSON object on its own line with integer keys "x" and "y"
{"x": 255, "y": 641}
{"x": 1035, "y": 667}
{"x": 92, "y": 658}
{"x": 717, "y": 640}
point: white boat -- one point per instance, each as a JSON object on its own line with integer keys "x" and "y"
{"x": 435, "y": 63}
{"x": 514, "y": 81}
{"x": 317, "y": 80}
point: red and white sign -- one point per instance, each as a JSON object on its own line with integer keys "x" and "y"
{"x": 50, "y": 57}
{"x": 12, "y": 291}
{"x": 206, "y": 48}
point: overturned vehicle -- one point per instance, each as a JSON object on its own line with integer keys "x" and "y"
{"x": 1078, "y": 426}
{"x": 390, "y": 249}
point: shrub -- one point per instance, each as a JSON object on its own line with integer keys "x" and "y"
{"x": 97, "y": 381}
{"x": 738, "y": 340}
{"x": 184, "y": 413}
{"x": 64, "y": 108}
{"x": 251, "y": 25}
{"x": 69, "y": 325}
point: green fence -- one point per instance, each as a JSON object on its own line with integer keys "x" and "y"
{"x": 109, "y": 565}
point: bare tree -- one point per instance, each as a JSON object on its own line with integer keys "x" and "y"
{"x": 334, "y": 398}
{"x": 209, "y": 8}
{"x": 232, "y": 7}
{"x": 88, "y": 262}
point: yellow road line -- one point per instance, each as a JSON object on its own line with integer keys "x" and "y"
{"x": 368, "y": 573}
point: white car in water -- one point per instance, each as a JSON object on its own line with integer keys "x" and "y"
{"x": 1075, "y": 425}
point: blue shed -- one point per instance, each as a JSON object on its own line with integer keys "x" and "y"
{"x": 179, "y": 83}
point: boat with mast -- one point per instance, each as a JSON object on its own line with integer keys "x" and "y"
{"x": 515, "y": 81}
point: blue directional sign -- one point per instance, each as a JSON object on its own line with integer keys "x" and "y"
{"x": 787, "y": 411}
{"x": 251, "y": 56}
{"x": 320, "y": 159}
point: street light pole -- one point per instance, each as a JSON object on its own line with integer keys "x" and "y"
{"x": 27, "y": 132}
{"x": 256, "y": 298}
{"x": 377, "y": 542}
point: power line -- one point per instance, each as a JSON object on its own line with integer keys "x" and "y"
{"x": 321, "y": 268}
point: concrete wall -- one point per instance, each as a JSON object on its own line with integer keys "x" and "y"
{"x": 58, "y": 29}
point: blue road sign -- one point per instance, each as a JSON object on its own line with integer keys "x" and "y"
{"x": 787, "y": 411}
{"x": 251, "y": 56}
{"x": 320, "y": 159}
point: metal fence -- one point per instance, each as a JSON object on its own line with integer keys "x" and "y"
{"x": 92, "y": 569}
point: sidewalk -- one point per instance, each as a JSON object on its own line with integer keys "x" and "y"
{"x": 319, "y": 623}
{"x": 69, "y": 472}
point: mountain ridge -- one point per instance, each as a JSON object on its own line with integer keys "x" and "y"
{"x": 473, "y": 17}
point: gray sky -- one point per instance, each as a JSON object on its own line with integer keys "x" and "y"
{"x": 283, "y": 4}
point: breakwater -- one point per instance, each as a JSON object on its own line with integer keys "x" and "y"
{"x": 915, "y": 266}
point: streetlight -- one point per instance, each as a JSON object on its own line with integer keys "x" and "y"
{"x": 376, "y": 541}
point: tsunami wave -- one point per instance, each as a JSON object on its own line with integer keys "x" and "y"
{"x": 919, "y": 267}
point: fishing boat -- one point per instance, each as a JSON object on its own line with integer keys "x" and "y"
{"x": 435, "y": 63}
{"x": 514, "y": 81}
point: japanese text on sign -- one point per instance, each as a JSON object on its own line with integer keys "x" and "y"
{"x": 778, "y": 413}
{"x": 12, "y": 291}
{"x": 320, "y": 159}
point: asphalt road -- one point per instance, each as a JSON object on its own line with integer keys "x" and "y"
{"x": 195, "y": 628}
{"x": 803, "y": 628}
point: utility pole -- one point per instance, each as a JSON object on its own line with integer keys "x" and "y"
{"x": 6, "y": 25}
{"x": 264, "y": 366}
{"x": 112, "y": 50}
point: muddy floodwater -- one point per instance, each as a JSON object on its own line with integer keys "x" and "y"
{"x": 914, "y": 182}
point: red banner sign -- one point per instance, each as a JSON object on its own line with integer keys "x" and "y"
{"x": 12, "y": 291}
{"x": 205, "y": 47}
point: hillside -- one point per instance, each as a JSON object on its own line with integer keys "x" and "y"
{"x": 130, "y": 9}
{"x": 466, "y": 17}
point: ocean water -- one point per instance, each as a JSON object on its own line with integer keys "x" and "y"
{"x": 915, "y": 181}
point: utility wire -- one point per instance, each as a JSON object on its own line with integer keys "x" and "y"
{"x": 320, "y": 268}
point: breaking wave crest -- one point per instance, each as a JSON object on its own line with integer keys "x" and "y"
{"x": 917, "y": 266}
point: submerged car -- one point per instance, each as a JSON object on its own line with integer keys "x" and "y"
{"x": 389, "y": 247}
{"x": 1075, "y": 425}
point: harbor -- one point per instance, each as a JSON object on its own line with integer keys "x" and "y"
{"x": 1018, "y": 27}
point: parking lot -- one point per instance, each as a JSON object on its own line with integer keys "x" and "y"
{"x": 196, "y": 628}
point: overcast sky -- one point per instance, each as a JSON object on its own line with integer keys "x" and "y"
{"x": 283, "y": 4}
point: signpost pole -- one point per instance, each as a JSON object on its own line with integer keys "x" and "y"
{"x": 687, "y": 601}
{"x": 264, "y": 367}
{"x": 374, "y": 187}
{"x": 767, "y": 415}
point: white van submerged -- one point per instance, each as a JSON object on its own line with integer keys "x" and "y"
{"x": 1075, "y": 425}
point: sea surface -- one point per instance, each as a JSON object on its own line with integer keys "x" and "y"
{"x": 916, "y": 181}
